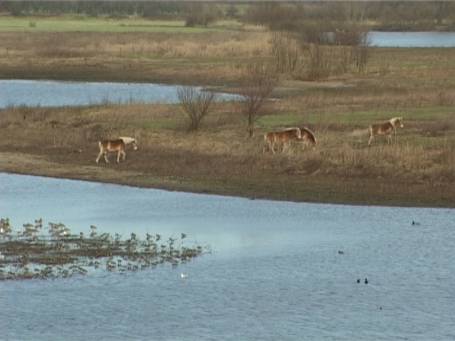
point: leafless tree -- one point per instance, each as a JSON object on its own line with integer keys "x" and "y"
{"x": 259, "y": 82}
{"x": 195, "y": 104}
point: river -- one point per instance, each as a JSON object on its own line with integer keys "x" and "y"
{"x": 274, "y": 273}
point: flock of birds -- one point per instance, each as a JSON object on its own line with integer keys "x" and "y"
{"x": 30, "y": 253}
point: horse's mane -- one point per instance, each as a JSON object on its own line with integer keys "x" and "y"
{"x": 310, "y": 134}
{"x": 394, "y": 119}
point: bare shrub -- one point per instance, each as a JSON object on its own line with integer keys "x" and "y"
{"x": 259, "y": 82}
{"x": 195, "y": 104}
{"x": 329, "y": 51}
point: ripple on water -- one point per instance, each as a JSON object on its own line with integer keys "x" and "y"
{"x": 275, "y": 271}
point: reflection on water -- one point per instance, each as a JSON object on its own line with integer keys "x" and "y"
{"x": 60, "y": 93}
{"x": 275, "y": 271}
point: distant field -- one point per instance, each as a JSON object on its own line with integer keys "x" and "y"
{"x": 87, "y": 24}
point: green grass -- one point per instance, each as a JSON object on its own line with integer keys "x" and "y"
{"x": 86, "y": 24}
{"x": 280, "y": 120}
{"x": 356, "y": 118}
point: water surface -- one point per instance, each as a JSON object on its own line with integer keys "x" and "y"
{"x": 48, "y": 93}
{"x": 411, "y": 39}
{"x": 274, "y": 274}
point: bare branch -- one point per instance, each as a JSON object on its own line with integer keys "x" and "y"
{"x": 259, "y": 82}
{"x": 195, "y": 104}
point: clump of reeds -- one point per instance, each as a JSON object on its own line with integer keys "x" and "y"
{"x": 30, "y": 253}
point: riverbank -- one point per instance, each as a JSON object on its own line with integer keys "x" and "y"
{"x": 219, "y": 159}
{"x": 316, "y": 189}
{"x": 417, "y": 84}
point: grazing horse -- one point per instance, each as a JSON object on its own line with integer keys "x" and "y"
{"x": 307, "y": 137}
{"x": 111, "y": 146}
{"x": 388, "y": 128}
{"x": 282, "y": 138}
{"x": 129, "y": 140}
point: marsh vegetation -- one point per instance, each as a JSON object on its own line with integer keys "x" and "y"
{"x": 31, "y": 253}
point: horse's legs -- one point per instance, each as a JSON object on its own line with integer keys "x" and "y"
{"x": 273, "y": 147}
{"x": 105, "y": 157}
{"x": 370, "y": 140}
{"x": 118, "y": 155}
{"x": 389, "y": 139}
{"x": 99, "y": 156}
{"x": 124, "y": 155}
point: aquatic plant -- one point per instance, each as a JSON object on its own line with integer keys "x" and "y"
{"x": 29, "y": 253}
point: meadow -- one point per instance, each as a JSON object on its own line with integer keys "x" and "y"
{"x": 417, "y": 84}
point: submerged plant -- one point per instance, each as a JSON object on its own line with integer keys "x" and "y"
{"x": 61, "y": 254}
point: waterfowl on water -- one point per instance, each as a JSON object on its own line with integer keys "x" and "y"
{"x": 366, "y": 280}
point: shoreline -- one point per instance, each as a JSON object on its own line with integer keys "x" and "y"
{"x": 316, "y": 192}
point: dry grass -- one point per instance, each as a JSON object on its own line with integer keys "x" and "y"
{"x": 221, "y": 151}
{"x": 418, "y": 84}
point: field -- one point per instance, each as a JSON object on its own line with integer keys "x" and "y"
{"x": 418, "y": 84}
{"x": 91, "y": 24}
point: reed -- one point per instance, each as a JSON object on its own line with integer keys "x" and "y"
{"x": 30, "y": 253}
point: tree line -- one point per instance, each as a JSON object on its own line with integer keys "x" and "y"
{"x": 389, "y": 15}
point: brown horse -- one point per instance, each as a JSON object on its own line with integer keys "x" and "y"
{"x": 280, "y": 138}
{"x": 388, "y": 129}
{"x": 107, "y": 146}
{"x": 307, "y": 137}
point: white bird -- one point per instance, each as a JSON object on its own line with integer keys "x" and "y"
{"x": 182, "y": 275}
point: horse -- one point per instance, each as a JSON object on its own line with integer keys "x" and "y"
{"x": 307, "y": 136}
{"x": 129, "y": 140}
{"x": 283, "y": 138}
{"x": 388, "y": 128}
{"x": 111, "y": 146}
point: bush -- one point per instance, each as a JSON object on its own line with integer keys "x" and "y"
{"x": 259, "y": 82}
{"x": 195, "y": 104}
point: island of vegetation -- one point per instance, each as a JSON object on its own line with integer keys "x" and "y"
{"x": 31, "y": 253}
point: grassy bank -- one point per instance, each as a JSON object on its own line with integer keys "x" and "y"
{"x": 419, "y": 169}
{"x": 418, "y": 84}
